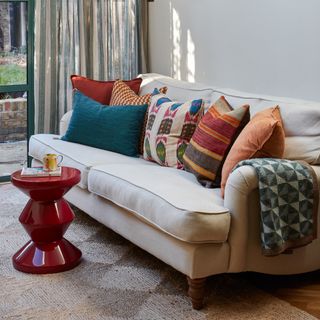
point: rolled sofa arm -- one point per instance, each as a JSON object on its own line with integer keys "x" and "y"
{"x": 242, "y": 199}
{"x": 64, "y": 122}
{"x": 241, "y": 196}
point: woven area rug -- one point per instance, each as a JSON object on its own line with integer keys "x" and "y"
{"x": 116, "y": 280}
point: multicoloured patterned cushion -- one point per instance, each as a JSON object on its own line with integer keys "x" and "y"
{"x": 170, "y": 127}
{"x": 123, "y": 95}
{"x": 212, "y": 140}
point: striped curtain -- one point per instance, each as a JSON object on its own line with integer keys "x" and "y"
{"x": 100, "y": 39}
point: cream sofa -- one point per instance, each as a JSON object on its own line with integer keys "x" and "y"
{"x": 169, "y": 214}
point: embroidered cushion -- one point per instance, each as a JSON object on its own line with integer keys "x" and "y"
{"x": 212, "y": 140}
{"x": 113, "y": 128}
{"x": 170, "y": 127}
{"x": 263, "y": 137}
{"x": 100, "y": 90}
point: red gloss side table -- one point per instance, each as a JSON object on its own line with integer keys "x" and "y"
{"x": 46, "y": 217}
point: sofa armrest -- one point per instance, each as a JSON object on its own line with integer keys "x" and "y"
{"x": 241, "y": 196}
{"x": 316, "y": 169}
{"x": 64, "y": 122}
{"x": 244, "y": 180}
{"x": 242, "y": 200}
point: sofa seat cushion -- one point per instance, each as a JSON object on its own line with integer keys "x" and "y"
{"x": 75, "y": 155}
{"x": 169, "y": 199}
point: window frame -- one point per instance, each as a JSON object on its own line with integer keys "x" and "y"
{"x": 29, "y": 85}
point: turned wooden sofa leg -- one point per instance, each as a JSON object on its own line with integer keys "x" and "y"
{"x": 196, "y": 292}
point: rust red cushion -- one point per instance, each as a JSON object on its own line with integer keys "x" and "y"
{"x": 100, "y": 91}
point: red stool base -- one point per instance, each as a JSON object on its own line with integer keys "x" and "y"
{"x": 47, "y": 258}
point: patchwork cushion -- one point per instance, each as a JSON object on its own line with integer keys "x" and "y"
{"x": 170, "y": 127}
{"x": 168, "y": 199}
{"x": 100, "y": 90}
{"x": 113, "y": 128}
{"x": 212, "y": 140}
{"x": 263, "y": 137}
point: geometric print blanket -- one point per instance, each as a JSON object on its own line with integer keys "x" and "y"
{"x": 289, "y": 198}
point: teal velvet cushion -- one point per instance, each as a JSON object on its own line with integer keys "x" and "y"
{"x": 113, "y": 128}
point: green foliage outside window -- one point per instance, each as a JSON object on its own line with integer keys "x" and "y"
{"x": 13, "y": 67}
{"x": 12, "y": 74}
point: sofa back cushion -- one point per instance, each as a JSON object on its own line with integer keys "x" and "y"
{"x": 113, "y": 128}
{"x": 176, "y": 89}
{"x": 300, "y": 118}
{"x": 303, "y": 148}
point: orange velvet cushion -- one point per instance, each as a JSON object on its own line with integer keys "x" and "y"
{"x": 263, "y": 137}
{"x": 100, "y": 91}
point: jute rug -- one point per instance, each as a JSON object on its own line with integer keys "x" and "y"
{"x": 116, "y": 280}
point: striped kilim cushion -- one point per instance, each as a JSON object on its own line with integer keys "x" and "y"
{"x": 212, "y": 141}
{"x": 123, "y": 95}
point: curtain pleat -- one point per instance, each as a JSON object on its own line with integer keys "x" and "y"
{"x": 143, "y": 35}
{"x": 100, "y": 39}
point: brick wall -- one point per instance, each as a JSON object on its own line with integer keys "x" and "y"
{"x": 13, "y": 119}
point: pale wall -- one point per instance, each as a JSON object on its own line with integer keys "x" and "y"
{"x": 263, "y": 46}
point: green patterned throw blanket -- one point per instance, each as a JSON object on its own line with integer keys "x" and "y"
{"x": 289, "y": 199}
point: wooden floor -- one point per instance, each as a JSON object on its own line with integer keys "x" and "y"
{"x": 302, "y": 291}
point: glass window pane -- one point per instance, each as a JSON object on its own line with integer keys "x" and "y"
{"x": 13, "y": 42}
{"x": 13, "y": 131}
